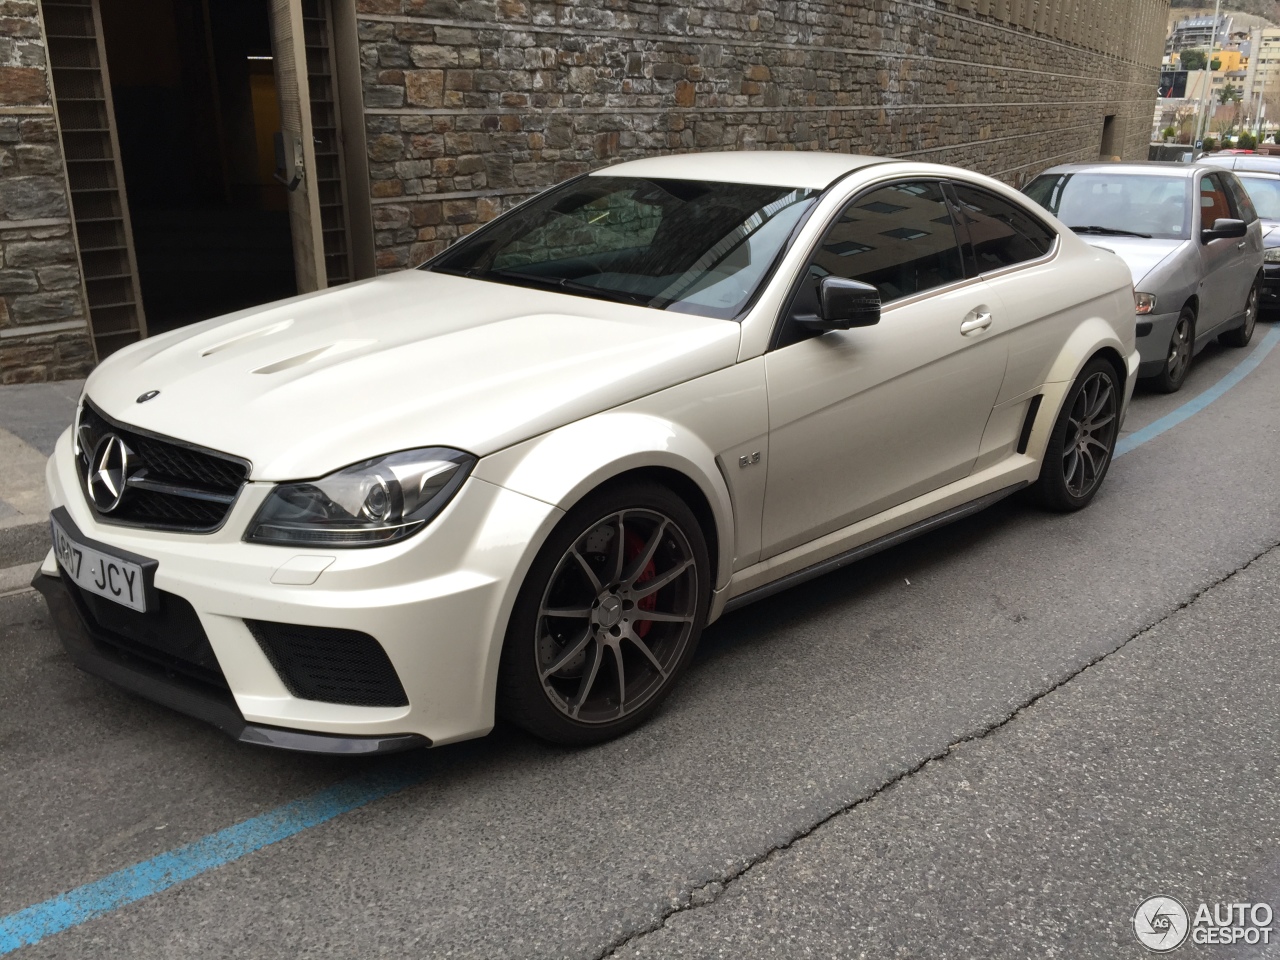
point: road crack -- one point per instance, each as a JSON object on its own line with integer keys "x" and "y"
{"x": 708, "y": 893}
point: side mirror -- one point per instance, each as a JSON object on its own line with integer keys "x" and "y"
{"x": 843, "y": 304}
{"x": 1224, "y": 229}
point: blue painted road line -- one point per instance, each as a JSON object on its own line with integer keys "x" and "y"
{"x": 1198, "y": 403}
{"x": 217, "y": 849}
{"x": 161, "y": 872}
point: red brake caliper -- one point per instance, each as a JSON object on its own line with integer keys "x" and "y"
{"x": 634, "y": 547}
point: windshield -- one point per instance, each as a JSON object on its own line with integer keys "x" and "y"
{"x": 1265, "y": 194}
{"x": 1117, "y": 203}
{"x": 685, "y": 245}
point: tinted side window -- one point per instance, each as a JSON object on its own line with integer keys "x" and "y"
{"x": 1239, "y": 199}
{"x": 1001, "y": 233}
{"x": 899, "y": 238}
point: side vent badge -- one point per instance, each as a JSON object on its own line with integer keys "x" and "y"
{"x": 149, "y": 395}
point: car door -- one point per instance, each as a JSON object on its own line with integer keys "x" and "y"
{"x": 863, "y": 419}
{"x": 1248, "y": 259}
{"x": 1011, "y": 248}
{"x": 1218, "y": 260}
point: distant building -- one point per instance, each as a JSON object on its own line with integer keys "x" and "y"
{"x": 1196, "y": 33}
{"x": 1263, "y": 76}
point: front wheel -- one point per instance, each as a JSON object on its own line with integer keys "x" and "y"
{"x": 1178, "y": 360}
{"x": 1241, "y": 335}
{"x": 608, "y": 616}
{"x": 1083, "y": 440}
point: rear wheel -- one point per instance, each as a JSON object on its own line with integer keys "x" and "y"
{"x": 1181, "y": 347}
{"x": 1083, "y": 440}
{"x": 608, "y": 616}
{"x": 1241, "y": 335}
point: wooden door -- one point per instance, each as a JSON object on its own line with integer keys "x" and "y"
{"x": 288, "y": 43}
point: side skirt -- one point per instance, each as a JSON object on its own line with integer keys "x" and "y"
{"x": 872, "y": 547}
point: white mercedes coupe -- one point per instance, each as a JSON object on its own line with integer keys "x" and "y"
{"x": 519, "y": 480}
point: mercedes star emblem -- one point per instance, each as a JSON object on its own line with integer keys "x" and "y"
{"x": 108, "y": 473}
{"x": 149, "y": 395}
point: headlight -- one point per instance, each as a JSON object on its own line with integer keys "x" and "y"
{"x": 363, "y": 505}
{"x": 1271, "y": 255}
{"x": 1144, "y": 303}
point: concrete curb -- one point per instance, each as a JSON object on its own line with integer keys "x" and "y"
{"x": 23, "y": 543}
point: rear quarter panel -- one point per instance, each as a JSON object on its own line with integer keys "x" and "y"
{"x": 1070, "y": 307}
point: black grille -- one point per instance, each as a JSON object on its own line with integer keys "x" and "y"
{"x": 330, "y": 665}
{"x": 170, "y": 636}
{"x": 199, "y": 485}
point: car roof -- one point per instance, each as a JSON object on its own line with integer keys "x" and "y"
{"x": 1167, "y": 168}
{"x": 1244, "y": 163}
{"x": 804, "y": 169}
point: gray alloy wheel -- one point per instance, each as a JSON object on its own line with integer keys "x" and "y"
{"x": 1241, "y": 335}
{"x": 1182, "y": 345}
{"x": 1091, "y": 435}
{"x": 1083, "y": 441}
{"x": 608, "y": 617}
{"x": 616, "y": 616}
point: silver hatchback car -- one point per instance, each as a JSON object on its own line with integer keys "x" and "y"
{"x": 1192, "y": 240}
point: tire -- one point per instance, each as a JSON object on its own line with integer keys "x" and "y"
{"x": 1241, "y": 335}
{"x": 1182, "y": 345}
{"x": 1083, "y": 441}
{"x": 595, "y": 670}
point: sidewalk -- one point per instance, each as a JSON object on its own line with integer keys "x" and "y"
{"x": 32, "y": 417}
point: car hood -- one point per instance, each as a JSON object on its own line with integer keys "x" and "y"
{"x": 1142, "y": 255}
{"x": 308, "y": 385}
{"x": 1270, "y": 233}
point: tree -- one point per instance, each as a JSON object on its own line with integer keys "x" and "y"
{"x": 1184, "y": 117}
{"x": 1215, "y": 64}
{"x": 1246, "y": 141}
{"x": 1209, "y": 145}
{"x": 1229, "y": 94}
{"x": 1192, "y": 59}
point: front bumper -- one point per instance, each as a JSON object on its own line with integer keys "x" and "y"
{"x": 93, "y": 652}
{"x": 1153, "y": 346}
{"x": 437, "y": 603}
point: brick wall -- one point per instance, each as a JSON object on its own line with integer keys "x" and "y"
{"x": 472, "y": 105}
{"x": 43, "y": 333}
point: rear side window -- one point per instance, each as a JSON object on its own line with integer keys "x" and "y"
{"x": 1240, "y": 198}
{"x": 1001, "y": 233}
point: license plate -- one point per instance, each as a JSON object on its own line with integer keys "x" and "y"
{"x": 111, "y": 577}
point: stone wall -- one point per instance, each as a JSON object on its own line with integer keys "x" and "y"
{"x": 43, "y": 331}
{"x": 471, "y": 105}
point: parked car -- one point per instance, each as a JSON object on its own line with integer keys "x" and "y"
{"x": 526, "y": 475}
{"x": 1261, "y": 178}
{"x": 1192, "y": 240}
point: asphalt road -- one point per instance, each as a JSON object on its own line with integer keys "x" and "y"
{"x": 993, "y": 741}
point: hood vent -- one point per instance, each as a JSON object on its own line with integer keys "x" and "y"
{"x": 251, "y": 335}
{"x": 310, "y": 356}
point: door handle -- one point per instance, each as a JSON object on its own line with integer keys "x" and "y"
{"x": 978, "y": 323}
{"x": 1240, "y": 245}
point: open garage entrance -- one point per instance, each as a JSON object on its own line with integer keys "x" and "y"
{"x": 204, "y": 155}
{"x": 196, "y": 110}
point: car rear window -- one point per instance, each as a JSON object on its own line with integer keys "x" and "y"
{"x": 1264, "y": 191}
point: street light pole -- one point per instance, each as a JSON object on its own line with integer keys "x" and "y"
{"x": 1201, "y": 120}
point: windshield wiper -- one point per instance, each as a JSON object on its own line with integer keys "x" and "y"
{"x": 1110, "y": 232}
{"x": 565, "y": 283}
